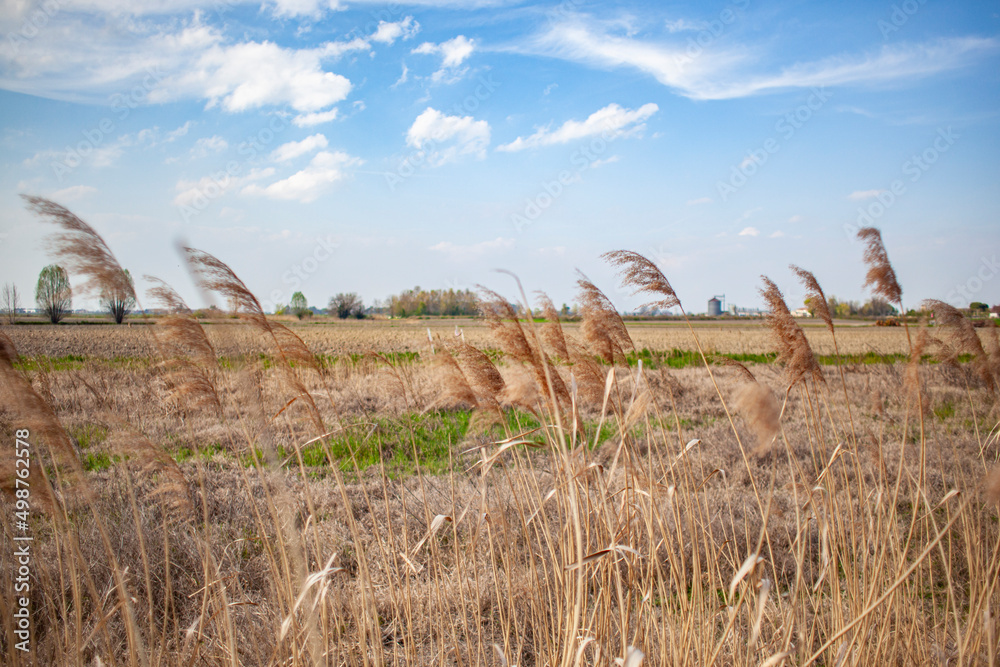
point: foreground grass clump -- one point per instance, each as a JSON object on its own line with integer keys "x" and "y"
{"x": 556, "y": 505}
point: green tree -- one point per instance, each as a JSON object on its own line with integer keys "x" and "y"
{"x": 299, "y": 306}
{"x": 53, "y": 293}
{"x": 119, "y": 299}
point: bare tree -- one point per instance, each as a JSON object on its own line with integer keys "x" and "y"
{"x": 10, "y": 302}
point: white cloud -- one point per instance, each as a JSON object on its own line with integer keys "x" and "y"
{"x": 453, "y": 53}
{"x": 474, "y": 251}
{"x": 388, "y": 33}
{"x": 861, "y": 195}
{"x": 181, "y": 131}
{"x": 683, "y": 25}
{"x": 699, "y": 201}
{"x": 294, "y": 149}
{"x": 447, "y": 138}
{"x": 72, "y": 193}
{"x": 307, "y": 185}
{"x": 725, "y": 72}
{"x": 253, "y": 75}
{"x": 750, "y": 231}
{"x": 600, "y": 163}
{"x": 208, "y": 145}
{"x": 777, "y": 235}
{"x": 612, "y": 120}
{"x": 318, "y": 118}
{"x": 210, "y": 187}
{"x": 796, "y": 218}
{"x": 313, "y": 8}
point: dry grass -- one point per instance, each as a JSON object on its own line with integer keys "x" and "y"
{"x": 614, "y": 518}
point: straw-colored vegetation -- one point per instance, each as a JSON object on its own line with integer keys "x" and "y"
{"x": 526, "y": 494}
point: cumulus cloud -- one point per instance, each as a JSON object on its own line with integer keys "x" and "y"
{"x": 750, "y": 231}
{"x": 307, "y": 185}
{"x": 612, "y": 120}
{"x": 448, "y": 138}
{"x": 294, "y": 149}
{"x": 257, "y": 74}
{"x": 317, "y": 118}
{"x": 453, "y": 53}
{"x": 388, "y": 33}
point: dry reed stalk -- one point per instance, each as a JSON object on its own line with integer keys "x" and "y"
{"x": 793, "y": 347}
{"x": 481, "y": 373}
{"x": 83, "y": 249}
{"x": 506, "y": 327}
{"x": 215, "y": 276}
{"x": 602, "y": 327}
{"x": 991, "y": 485}
{"x": 454, "y": 388}
{"x": 171, "y": 484}
{"x": 551, "y": 331}
{"x": 38, "y": 417}
{"x": 964, "y": 340}
{"x": 815, "y": 295}
{"x": 880, "y": 274}
{"x": 641, "y": 273}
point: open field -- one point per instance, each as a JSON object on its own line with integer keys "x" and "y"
{"x": 385, "y": 520}
{"x": 336, "y": 338}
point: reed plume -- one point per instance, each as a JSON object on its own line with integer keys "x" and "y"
{"x": 454, "y": 387}
{"x": 881, "y": 275}
{"x": 504, "y": 324}
{"x": 551, "y": 331}
{"x": 793, "y": 348}
{"x": 481, "y": 373}
{"x": 214, "y": 275}
{"x": 602, "y": 328}
{"x": 639, "y": 272}
{"x": 758, "y": 406}
{"x": 83, "y": 250}
{"x": 814, "y": 294}
{"x": 964, "y": 339}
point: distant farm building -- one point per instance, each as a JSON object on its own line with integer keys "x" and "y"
{"x": 801, "y": 312}
{"x": 715, "y": 306}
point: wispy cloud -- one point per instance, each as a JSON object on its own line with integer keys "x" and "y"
{"x": 448, "y": 138}
{"x": 72, "y": 193}
{"x": 475, "y": 250}
{"x": 750, "y": 231}
{"x": 728, "y": 71}
{"x": 208, "y": 146}
{"x": 612, "y": 120}
{"x": 861, "y": 195}
{"x": 699, "y": 201}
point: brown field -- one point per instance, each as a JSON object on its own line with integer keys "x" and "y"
{"x": 332, "y": 337}
{"x": 410, "y": 534}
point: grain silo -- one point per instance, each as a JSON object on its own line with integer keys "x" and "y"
{"x": 714, "y": 307}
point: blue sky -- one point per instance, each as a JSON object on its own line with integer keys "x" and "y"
{"x": 328, "y": 145}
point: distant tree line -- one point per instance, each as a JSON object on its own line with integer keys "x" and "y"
{"x": 417, "y": 301}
